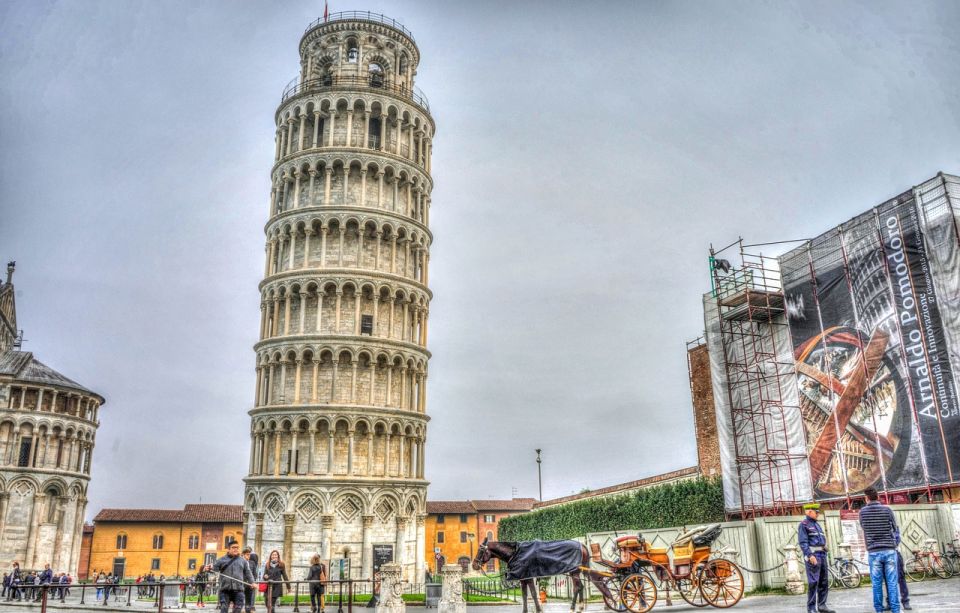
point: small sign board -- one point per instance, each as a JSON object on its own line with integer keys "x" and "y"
{"x": 852, "y": 534}
{"x": 339, "y": 569}
{"x": 171, "y": 595}
{"x": 382, "y": 554}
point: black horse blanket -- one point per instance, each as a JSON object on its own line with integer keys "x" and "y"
{"x": 544, "y": 559}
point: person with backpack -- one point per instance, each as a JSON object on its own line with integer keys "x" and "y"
{"x": 234, "y": 574}
{"x": 317, "y": 576}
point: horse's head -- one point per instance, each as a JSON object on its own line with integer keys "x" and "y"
{"x": 483, "y": 555}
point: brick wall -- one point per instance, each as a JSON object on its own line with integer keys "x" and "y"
{"x": 704, "y": 418}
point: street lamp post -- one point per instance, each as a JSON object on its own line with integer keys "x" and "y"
{"x": 539, "y": 476}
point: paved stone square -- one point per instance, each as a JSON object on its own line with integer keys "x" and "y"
{"x": 941, "y": 596}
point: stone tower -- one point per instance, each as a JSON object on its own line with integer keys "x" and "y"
{"x": 339, "y": 422}
{"x": 48, "y": 424}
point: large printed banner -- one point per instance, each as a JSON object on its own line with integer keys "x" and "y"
{"x": 876, "y": 388}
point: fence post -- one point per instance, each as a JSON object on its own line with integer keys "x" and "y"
{"x": 163, "y": 588}
{"x": 451, "y": 598}
{"x": 391, "y": 600}
{"x": 43, "y": 599}
{"x": 796, "y": 583}
{"x": 296, "y": 597}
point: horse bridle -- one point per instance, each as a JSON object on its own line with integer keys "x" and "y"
{"x": 481, "y": 550}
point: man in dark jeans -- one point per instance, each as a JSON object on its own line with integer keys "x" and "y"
{"x": 234, "y": 574}
{"x": 879, "y": 529}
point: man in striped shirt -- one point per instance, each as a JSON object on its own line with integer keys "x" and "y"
{"x": 879, "y": 531}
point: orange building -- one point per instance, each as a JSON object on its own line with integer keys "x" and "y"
{"x": 134, "y": 542}
{"x": 454, "y": 529}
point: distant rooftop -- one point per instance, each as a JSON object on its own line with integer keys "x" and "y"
{"x": 192, "y": 513}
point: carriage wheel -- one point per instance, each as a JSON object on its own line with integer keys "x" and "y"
{"x": 721, "y": 583}
{"x": 690, "y": 591}
{"x": 638, "y": 593}
{"x": 613, "y": 602}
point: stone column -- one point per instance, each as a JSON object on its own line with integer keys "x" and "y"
{"x": 316, "y": 128}
{"x": 4, "y": 500}
{"x": 296, "y": 383}
{"x": 326, "y": 523}
{"x": 306, "y": 246}
{"x": 366, "y": 130}
{"x": 451, "y": 598}
{"x": 380, "y": 189}
{"x": 391, "y": 589}
{"x": 313, "y": 383}
{"x": 328, "y": 173}
{"x": 373, "y": 381}
{"x": 288, "y": 521}
{"x": 324, "y": 230}
{"x": 398, "y": 556}
{"x": 33, "y": 531}
{"x": 258, "y": 534}
{"x": 349, "y": 127}
{"x": 363, "y": 187}
{"x": 333, "y": 123}
{"x": 302, "y": 130}
{"x": 77, "y": 536}
{"x": 303, "y": 310}
{"x": 421, "y": 543}
{"x": 318, "y": 327}
{"x": 366, "y": 554}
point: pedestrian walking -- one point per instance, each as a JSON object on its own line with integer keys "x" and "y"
{"x": 234, "y": 573}
{"x": 45, "y": 579}
{"x": 275, "y": 574}
{"x": 813, "y": 542}
{"x": 200, "y": 583}
{"x": 101, "y": 579}
{"x": 317, "y": 576}
{"x": 16, "y": 576}
{"x": 250, "y": 594}
{"x": 879, "y": 531}
{"x": 6, "y": 585}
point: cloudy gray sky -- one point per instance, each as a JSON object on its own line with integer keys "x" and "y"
{"x": 587, "y": 154}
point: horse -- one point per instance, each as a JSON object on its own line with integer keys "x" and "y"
{"x": 503, "y": 551}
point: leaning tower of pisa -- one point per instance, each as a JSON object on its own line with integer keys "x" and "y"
{"x": 339, "y": 421}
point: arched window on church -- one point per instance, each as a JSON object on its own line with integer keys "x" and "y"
{"x": 53, "y": 496}
{"x": 376, "y": 75}
{"x": 121, "y": 541}
{"x": 353, "y": 51}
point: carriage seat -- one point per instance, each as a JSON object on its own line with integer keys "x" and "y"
{"x": 596, "y": 556}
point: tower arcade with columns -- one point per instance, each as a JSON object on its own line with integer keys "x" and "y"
{"x": 339, "y": 421}
{"x": 47, "y": 428}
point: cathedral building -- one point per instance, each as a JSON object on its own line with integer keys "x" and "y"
{"x": 338, "y": 425}
{"x": 47, "y": 428}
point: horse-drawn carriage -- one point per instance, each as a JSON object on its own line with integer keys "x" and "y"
{"x": 631, "y": 582}
{"x": 685, "y": 566}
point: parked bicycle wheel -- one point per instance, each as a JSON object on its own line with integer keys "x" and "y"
{"x": 936, "y": 565}
{"x": 915, "y": 569}
{"x": 849, "y": 574}
{"x": 951, "y": 563}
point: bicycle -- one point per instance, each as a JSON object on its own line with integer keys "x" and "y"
{"x": 951, "y": 557}
{"x": 844, "y": 573}
{"x": 925, "y": 562}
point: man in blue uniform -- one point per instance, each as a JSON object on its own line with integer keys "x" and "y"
{"x": 813, "y": 542}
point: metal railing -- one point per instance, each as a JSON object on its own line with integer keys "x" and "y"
{"x": 370, "y": 81}
{"x": 340, "y": 596}
{"x": 361, "y": 16}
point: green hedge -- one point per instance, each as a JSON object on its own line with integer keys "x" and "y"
{"x": 685, "y": 503}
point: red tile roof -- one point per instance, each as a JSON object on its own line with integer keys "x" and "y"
{"x": 474, "y": 506}
{"x": 192, "y": 513}
{"x": 517, "y": 504}
{"x": 437, "y": 507}
{"x": 683, "y": 473}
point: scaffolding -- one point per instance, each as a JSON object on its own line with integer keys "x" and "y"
{"x": 755, "y": 390}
